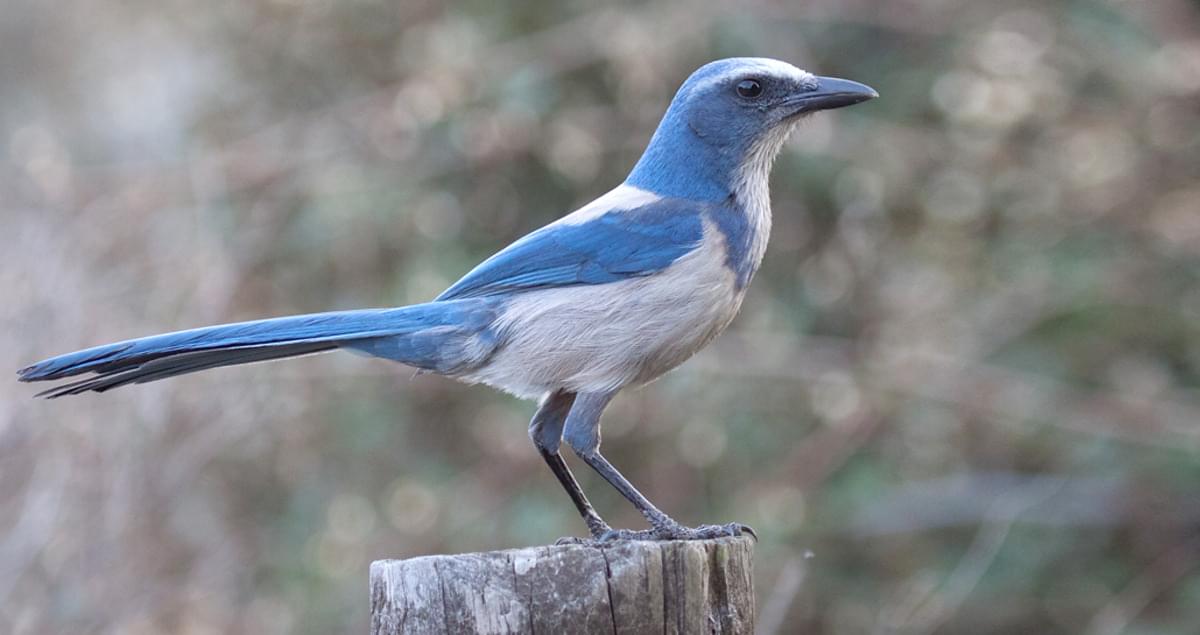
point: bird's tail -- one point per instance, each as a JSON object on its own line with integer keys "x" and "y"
{"x": 445, "y": 337}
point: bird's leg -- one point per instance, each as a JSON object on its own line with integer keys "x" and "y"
{"x": 546, "y": 431}
{"x": 583, "y": 435}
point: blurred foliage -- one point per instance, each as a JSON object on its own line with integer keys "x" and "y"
{"x": 962, "y": 395}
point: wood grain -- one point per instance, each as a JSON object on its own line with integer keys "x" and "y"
{"x": 628, "y": 587}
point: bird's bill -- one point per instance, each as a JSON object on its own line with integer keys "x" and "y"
{"x": 831, "y": 92}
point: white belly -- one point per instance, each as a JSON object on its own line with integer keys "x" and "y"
{"x": 595, "y": 338}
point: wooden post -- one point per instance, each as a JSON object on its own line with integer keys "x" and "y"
{"x": 627, "y": 587}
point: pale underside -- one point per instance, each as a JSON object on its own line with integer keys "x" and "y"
{"x": 597, "y": 338}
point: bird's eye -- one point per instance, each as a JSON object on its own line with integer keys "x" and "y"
{"x": 749, "y": 88}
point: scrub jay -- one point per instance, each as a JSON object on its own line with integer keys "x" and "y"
{"x": 610, "y": 296}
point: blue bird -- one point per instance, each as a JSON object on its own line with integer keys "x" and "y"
{"x": 610, "y": 296}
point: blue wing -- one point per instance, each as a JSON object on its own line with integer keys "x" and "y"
{"x": 616, "y": 245}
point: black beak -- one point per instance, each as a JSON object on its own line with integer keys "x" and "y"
{"x": 830, "y": 93}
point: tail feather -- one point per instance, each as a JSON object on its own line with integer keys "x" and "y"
{"x": 428, "y": 336}
{"x": 131, "y": 353}
{"x": 182, "y": 364}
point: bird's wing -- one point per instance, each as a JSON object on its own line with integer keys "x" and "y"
{"x": 593, "y": 248}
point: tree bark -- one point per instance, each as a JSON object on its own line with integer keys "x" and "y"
{"x": 627, "y": 587}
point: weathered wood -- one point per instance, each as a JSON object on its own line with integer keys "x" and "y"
{"x": 628, "y": 587}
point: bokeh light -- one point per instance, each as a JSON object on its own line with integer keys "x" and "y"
{"x": 963, "y": 394}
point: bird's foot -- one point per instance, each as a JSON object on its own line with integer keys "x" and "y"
{"x": 674, "y": 531}
{"x": 621, "y": 535}
{"x": 664, "y": 529}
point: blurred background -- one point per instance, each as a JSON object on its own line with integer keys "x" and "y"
{"x": 963, "y": 394}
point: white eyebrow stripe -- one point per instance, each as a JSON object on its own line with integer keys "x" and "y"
{"x": 766, "y": 66}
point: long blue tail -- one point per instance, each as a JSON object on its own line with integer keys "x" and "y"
{"x": 445, "y": 337}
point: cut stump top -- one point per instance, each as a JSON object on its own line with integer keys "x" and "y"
{"x": 627, "y": 587}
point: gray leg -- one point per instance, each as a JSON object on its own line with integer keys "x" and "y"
{"x": 583, "y": 435}
{"x": 546, "y": 431}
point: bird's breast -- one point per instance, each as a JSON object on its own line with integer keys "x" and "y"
{"x": 589, "y": 338}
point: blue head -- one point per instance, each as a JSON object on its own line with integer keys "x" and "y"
{"x": 729, "y": 114}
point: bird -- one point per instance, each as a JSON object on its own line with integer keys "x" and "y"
{"x": 608, "y": 297}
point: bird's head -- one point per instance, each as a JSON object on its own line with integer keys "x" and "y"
{"x": 729, "y": 116}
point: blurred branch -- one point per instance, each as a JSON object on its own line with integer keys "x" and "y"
{"x": 1166, "y": 570}
{"x": 271, "y": 153}
{"x": 783, "y": 593}
{"x": 964, "y": 500}
{"x": 824, "y": 451}
{"x": 905, "y": 17}
{"x": 1003, "y": 394}
{"x": 929, "y": 611}
{"x": 33, "y": 525}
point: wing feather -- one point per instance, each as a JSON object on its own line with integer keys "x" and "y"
{"x": 607, "y": 247}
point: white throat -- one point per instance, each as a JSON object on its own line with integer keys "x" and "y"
{"x": 751, "y": 186}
